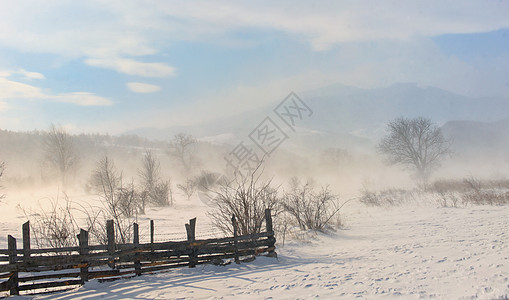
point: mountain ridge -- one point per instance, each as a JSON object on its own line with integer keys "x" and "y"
{"x": 351, "y": 115}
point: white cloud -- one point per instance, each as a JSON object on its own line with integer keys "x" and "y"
{"x": 82, "y": 99}
{"x": 327, "y": 23}
{"x": 132, "y": 67}
{"x": 31, "y": 75}
{"x": 115, "y": 28}
{"x": 24, "y": 73}
{"x": 15, "y": 90}
{"x": 140, "y": 87}
{"x": 10, "y": 90}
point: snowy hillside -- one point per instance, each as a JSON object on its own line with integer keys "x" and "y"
{"x": 408, "y": 252}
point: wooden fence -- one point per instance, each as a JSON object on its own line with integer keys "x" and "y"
{"x": 27, "y": 269}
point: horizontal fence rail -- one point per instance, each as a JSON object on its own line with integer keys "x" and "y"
{"x": 51, "y": 269}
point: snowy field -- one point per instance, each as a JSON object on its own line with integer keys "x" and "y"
{"x": 401, "y": 252}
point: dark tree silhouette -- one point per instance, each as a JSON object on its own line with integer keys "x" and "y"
{"x": 182, "y": 147}
{"x": 61, "y": 152}
{"x": 417, "y": 143}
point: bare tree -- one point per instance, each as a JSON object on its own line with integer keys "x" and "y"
{"x": 105, "y": 179}
{"x": 120, "y": 203}
{"x": 417, "y": 143}
{"x": 157, "y": 191}
{"x": 182, "y": 147}
{"x": 150, "y": 170}
{"x": 2, "y": 169}
{"x": 60, "y": 152}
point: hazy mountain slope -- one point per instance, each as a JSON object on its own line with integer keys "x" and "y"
{"x": 474, "y": 138}
{"x": 352, "y": 116}
{"x": 365, "y": 112}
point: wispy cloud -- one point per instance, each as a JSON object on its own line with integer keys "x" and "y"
{"x": 140, "y": 87}
{"x": 332, "y": 22}
{"x": 17, "y": 90}
{"x": 134, "y": 28}
{"x": 133, "y": 67}
{"x": 82, "y": 99}
{"x": 10, "y": 90}
{"x": 30, "y": 75}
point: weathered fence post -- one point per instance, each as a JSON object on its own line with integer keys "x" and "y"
{"x": 191, "y": 237}
{"x": 191, "y": 230}
{"x": 268, "y": 220}
{"x": 110, "y": 232}
{"x": 235, "y": 234}
{"x": 136, "y": 242}
{"x": 270, "y": 231}
{"x": 83, "y": 244}
{"x": 151, "y": 239}
{"x": 26, "y": 241}
{"x": 152, "y": 233}
{"x": 13, "y": 279}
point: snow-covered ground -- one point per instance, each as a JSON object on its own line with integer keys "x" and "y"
{"x": 401, "y": 252}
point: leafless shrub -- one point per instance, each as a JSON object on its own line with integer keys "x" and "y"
{"x": 311, "y": 209}
{"x": 447, "y": 186}
{"x": 473, "y": 184}
{"x": 246, "y": 198}
{"x": 53, "y": 225}
{"x": 157, "y": 191}
{"x": 387, "y": 197}
{"x": 188, "y": 188}
{"x": 446, "y": 193}
{"x": 471, "y": 190}
{"x": 486, "y": 198}
{"x": 500, "y": 184}
{"x": 162, "y": 194}
{"x": 370, "y": 198}
{"x": 283, "y": 227}
{"x": 208, "y": 180}
{"x": 468, "y": 184}
{"x": 449, "y": 199}
{"x": 56, "y": 225}
{"x": 206, "y": 185}
{"x": 128, "y": 201}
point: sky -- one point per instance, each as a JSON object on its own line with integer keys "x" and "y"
{"x": 110, "y": 66}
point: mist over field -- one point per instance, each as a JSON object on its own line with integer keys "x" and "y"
{"x": 336, "y": 145}
{"x": 376, "y": 132}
